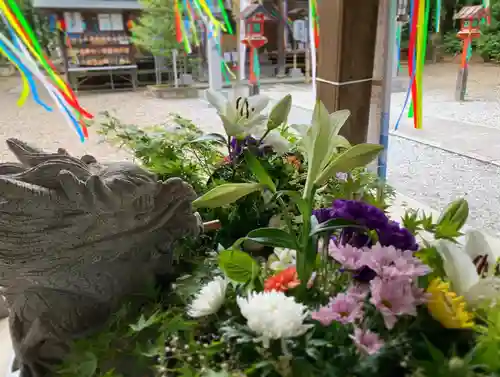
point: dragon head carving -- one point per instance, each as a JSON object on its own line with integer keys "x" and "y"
{"x": 76, "y": 236}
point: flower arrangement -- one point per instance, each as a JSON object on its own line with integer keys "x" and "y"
{"x": 343, "y": 291}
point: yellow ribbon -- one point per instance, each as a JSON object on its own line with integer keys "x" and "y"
{"x": 26, "y": 87}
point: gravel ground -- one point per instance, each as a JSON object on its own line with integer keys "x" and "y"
{"x": 436, "y": 177}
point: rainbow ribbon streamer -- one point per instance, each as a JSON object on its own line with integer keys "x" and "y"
{"x": 24, "y": 51}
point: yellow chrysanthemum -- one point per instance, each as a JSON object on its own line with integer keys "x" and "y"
{"x": 446, "y": 307}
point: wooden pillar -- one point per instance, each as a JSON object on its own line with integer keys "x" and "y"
{"x": 281, "y": 39}
{"x": 373, "y": 135}
{"x": 345, "y": 67}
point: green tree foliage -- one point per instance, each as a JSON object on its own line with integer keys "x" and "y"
{"x": 488, "y": 44}
{"x": 155, "y": 30}
{"x": 38, "y": 22}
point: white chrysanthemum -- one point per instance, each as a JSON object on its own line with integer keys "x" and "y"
{"x": 209, "y": 299}
{"x": 273, "y": 315}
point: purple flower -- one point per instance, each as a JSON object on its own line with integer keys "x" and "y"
{"x": 393, "y": 298}
{"x": 366, "y": 341}
{"x": 350, "y": 257}
{"x": 238, "y": 145}
{"x": 342, "y": 308}
{"x": 324, "y": 214}
{"x": 360, "y": 212}
{"x": 400, "y": 238}
{"x": 389, "y": 233}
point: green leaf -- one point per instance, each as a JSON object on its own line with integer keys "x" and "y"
{"x": 332, "y": 225}
{"x": 218, "y": 138}
{"x": 259, "y": 171}
{"x": 279, "y": 113}
{"x": 357, "y": 156}
{"x": 296, "y": 198}
{"x": 455, "y": 214}
{"x": 226, "y": 194}
{"x": 238, "y": 265}
{"x": 88, "y": 366}
{"x": 320, "y": 142}
{"x": 273, "y": 237}
{"x": 144, "y": 323}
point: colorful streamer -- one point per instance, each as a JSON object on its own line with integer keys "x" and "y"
{"x": 25, "y": 52}
{"x": 438, "y": 16}
{"x": 412, "y": 47}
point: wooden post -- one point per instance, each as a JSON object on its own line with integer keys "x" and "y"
{"x": 378, "y": 74}
{"x": 346, "y": 52}
{"x": 463, "y": 73}
{"x": 281, "y": 39}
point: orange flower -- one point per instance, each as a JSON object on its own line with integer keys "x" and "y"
{"x": 293, "y": 160}
{"x": 282, "y": 281}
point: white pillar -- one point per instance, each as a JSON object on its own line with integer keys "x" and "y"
{"x": 214, "y": 63}
{"x": 243, "y": 48}
{"x": 312, "y": 48}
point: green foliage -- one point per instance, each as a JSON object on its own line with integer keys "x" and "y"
{"x": 488, "y": 44}
{"x": 155, "y": 30}
{"x": 166, "y": 150}
{"x": 451, "y": 43}
{"x": 38, "y": 22}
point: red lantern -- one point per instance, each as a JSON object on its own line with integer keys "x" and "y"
{"x": 254, "y": 31}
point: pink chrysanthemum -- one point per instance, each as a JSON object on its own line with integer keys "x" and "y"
{"x": 366, "y": 341}
{"x": 349, "y": 257}
{"x": 342, "y": 308}
{"x": 393, "y": 298}
{"x": 389, "y": 262}
{"x": 358, "y": 291}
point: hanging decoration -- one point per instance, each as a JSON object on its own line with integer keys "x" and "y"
{"x": 24, "y": 51}
{"x": 188, "y": 14}
{"x": 313, "y": 41}
{"x": 417, "y": 47}
{"x": 313, "y": 4}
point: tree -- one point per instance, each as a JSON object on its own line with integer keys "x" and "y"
{"x": 155, "y": 30}
{"x": 488, "y": 44}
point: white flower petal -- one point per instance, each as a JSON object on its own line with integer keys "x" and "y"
{"x": 279, "y": 144}
{"x": 216, "y": 99}
{"x": 477, "y": 245}
{"x": 258, "y": 103}
{"x": 209, "y": 299}
{"x": 273, "y": 315}
{"x": 458, "y": 266}
{"x": 487, "y": 289}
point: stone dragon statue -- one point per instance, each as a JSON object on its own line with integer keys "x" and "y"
{"x": 76, "y": 236}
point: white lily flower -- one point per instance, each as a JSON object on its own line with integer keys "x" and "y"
{"x": 282, "y": 259}
{"x": 273, "y": 139}
{"x": 468, "y": 278}
{"x": 239, "y": 114}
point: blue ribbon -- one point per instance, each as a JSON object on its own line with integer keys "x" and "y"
{"x": 26, "y": 71}
{"x": 27, "y": 74}
{"x": 73, "y": 119}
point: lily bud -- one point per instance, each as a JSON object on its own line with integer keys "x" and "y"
{"x": 279, "y": 113}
